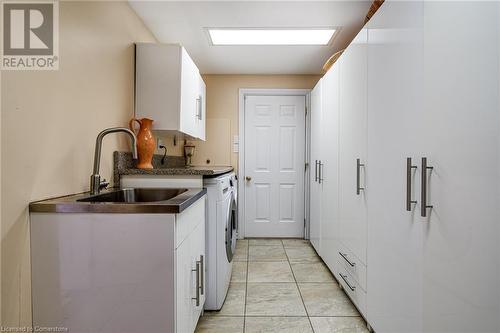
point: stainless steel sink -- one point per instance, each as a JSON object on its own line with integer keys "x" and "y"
{"x": 136, "y": 195}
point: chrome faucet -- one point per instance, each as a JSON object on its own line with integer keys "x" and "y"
{"x": 95, "y": 178}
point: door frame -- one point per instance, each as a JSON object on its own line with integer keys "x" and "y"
{"x": 243, "y": 93}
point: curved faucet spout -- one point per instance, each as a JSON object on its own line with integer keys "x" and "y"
{"x": 95, "y": 179}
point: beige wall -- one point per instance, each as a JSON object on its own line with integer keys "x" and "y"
{"x": 49, "y": 121}
{"x": 223, "y": 109}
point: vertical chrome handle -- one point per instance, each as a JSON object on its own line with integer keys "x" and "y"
{"x": 320, "y": 172}
{"x": 202, "y": 273}
{"x": 358, "y": 176}
{"x": 344, "y": 277}
{"x": 423, "y": 188}
{"x": 197, "y": 270}
{"x": 197, "y": 111}
{"x": 409, "y": 168}
{"x": 316, "y": 171}
{"x": 200, "y": 107}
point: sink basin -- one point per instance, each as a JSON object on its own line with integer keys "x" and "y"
{"x": 136, "y": 195}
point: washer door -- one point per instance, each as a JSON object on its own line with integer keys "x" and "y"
{"x": 234, "y": 224}
{"x": 230, "y": 231}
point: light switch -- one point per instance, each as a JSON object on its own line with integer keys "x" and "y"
{"x": 236, "y": 148}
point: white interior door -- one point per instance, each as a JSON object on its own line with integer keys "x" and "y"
{"x": 274, "y": 166}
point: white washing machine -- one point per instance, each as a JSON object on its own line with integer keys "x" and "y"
{"x": 220, "y": 240}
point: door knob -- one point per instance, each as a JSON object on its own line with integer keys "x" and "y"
{"x": 248, "y": 178}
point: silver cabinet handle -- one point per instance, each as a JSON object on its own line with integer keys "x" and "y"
{"x": 358, "y": 176}
{"x": 343, "y": 255}
{"x": 197, "y": 270}
{"x": 316, "y": 171}
{"x": 344, "y": 277}
{"x": 202, "y": 273}
{"x": 409, "y": 168}
{"x": 423, "y": 195}
{"x": 198, "y": 108}
{"x": 197, "y": 113}
{"x": 320, "y": 172}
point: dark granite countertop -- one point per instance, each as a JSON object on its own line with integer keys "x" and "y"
{"x": 174, "y": 166}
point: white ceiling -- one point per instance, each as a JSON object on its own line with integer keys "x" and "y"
{"x": 184, "y": 22}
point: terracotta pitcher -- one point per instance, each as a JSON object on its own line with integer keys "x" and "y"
{"x": 146, "y": 143}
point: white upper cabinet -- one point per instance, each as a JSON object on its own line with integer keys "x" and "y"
{"x": 200, "y": 119}
{"x": 169, "y": 89}
{"x": 352, "y": 147}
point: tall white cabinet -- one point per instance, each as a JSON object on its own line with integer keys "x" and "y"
{"x": 338, "y": 139}
{"x": 352, "y": 150}
{"x": 315, "y": 158}
{"x": 460, "y": 117}
{"x": 395, "y": 99}
{"x": 329, "y": 161}
{"x": 416, "y": 228}
{"x": 324, "y": 226}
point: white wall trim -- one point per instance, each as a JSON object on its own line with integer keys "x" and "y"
{"x": 243, "y": 92}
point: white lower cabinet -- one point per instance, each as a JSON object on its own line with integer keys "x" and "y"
{"x": 351, "y": 264}
{"x": 94, "y": 272}
{"x": 190, "y": 270}
{"x": 351, "y": 287}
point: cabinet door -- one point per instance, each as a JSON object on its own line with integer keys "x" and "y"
{"x": 394, "y": 279}
{"x": 329, "y": 169}
{"x": 184, "y": 287}
{"x": 461, "y": 141}
{"x": 190, "y": 86}
{"x": 197, "y": 240}
{"x": 201, "y": 119}
{"x": 315, "y": 187}
{"x": 352, "y": 146}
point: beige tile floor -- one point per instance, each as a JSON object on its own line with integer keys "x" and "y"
{"x": 281, "y": 285}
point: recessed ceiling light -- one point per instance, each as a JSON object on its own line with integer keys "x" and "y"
{"x": 270, "y": 36}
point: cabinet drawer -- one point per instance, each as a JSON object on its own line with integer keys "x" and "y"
{"x": 353, "y": 265}
{"x": 352, "y": 288}
{"x": 188, "y": 220}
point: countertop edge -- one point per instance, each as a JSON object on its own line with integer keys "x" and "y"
{"x": 174, "y": 172}
{"x": 182, "y": 202}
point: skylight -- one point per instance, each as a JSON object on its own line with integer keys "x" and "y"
{"x": 270, "y": 36}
